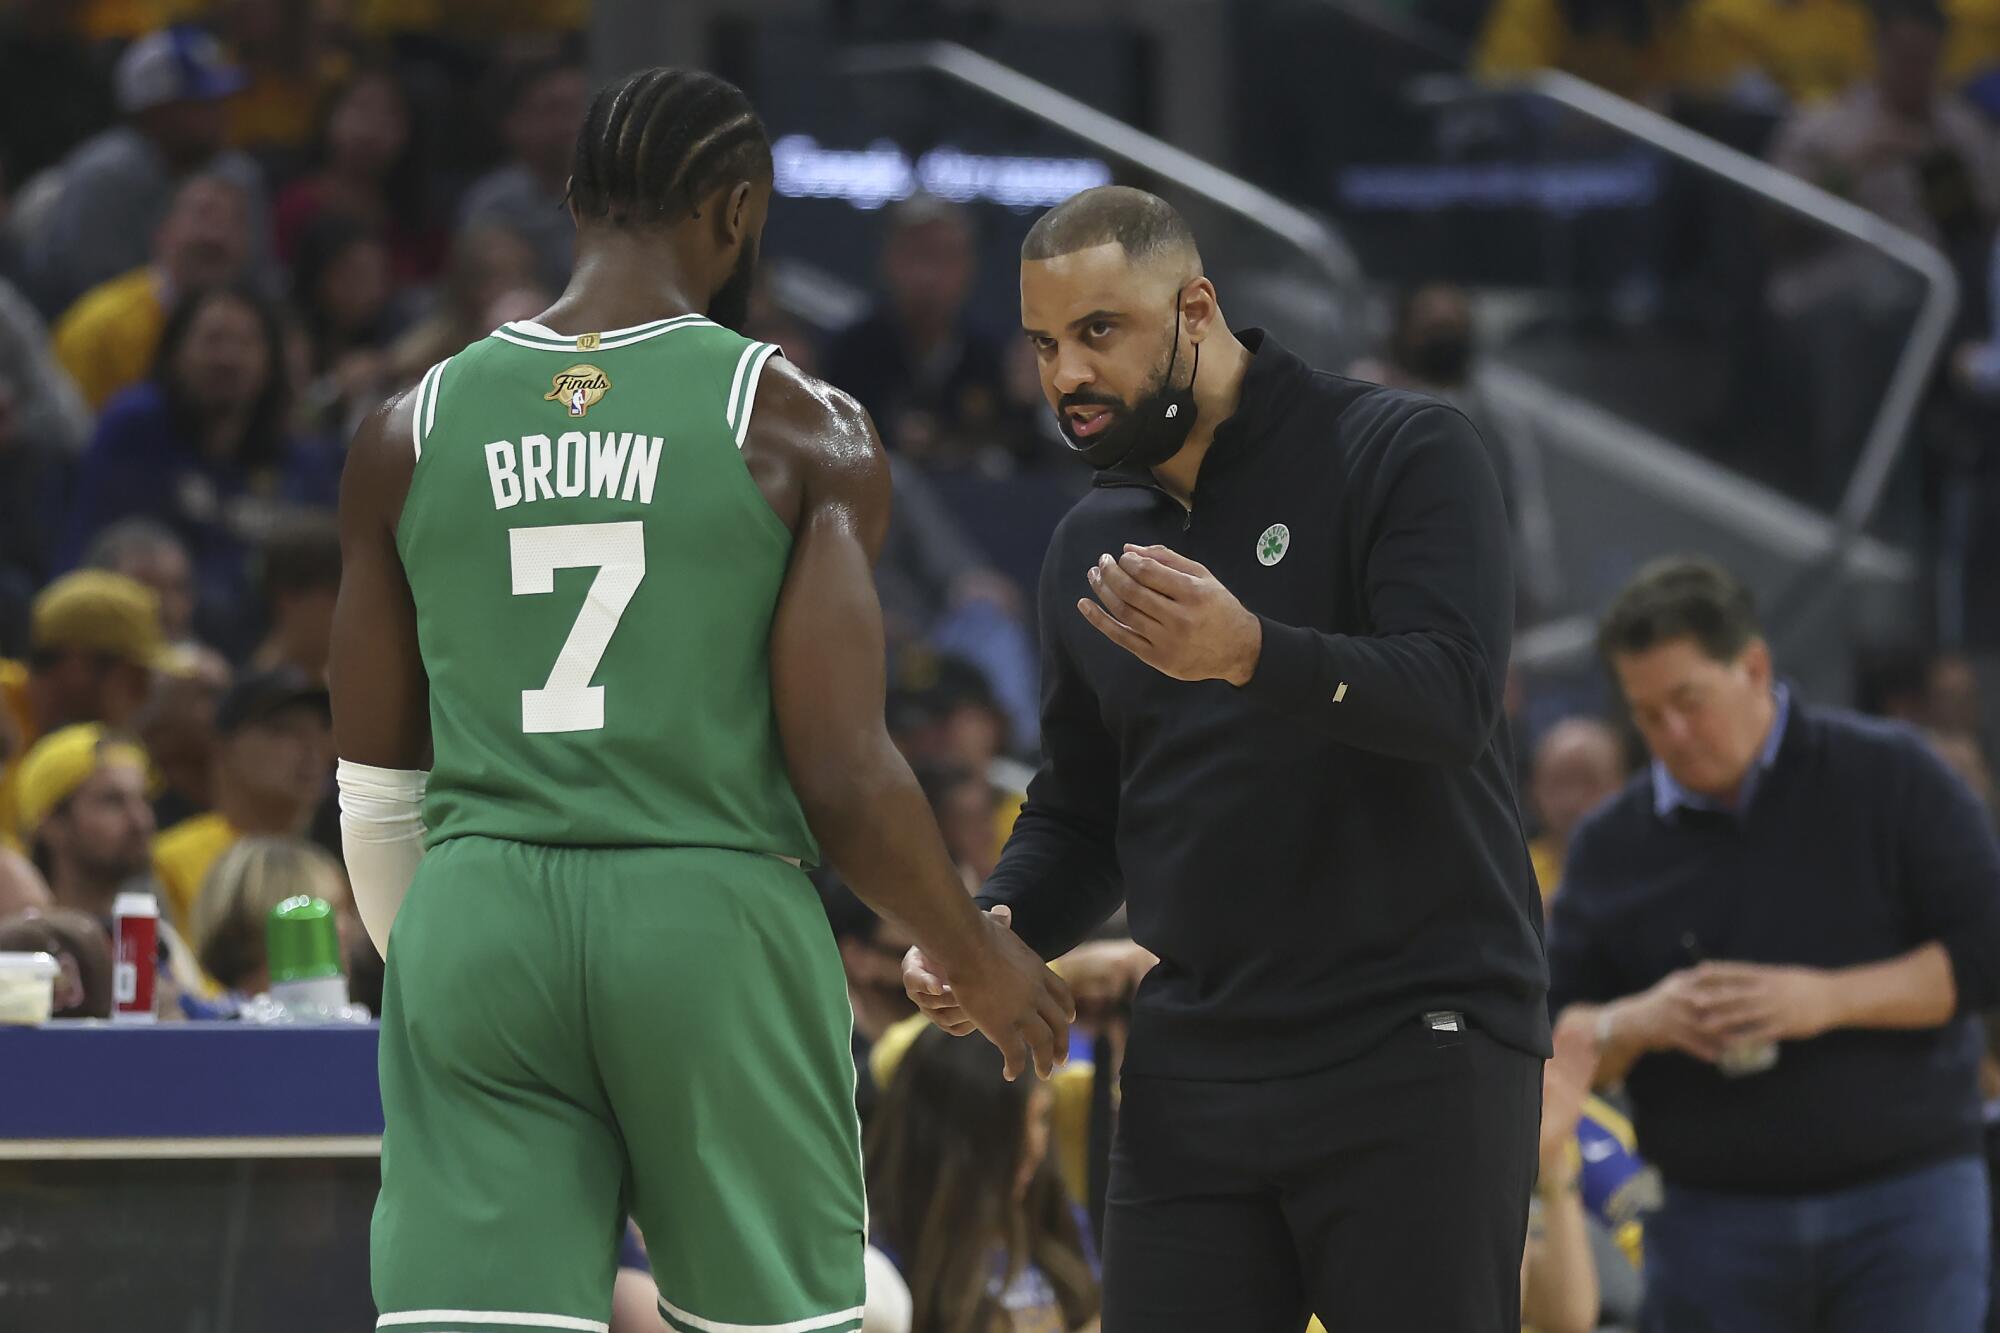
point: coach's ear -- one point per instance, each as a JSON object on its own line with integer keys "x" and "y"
{"x": 1199, "y": 307}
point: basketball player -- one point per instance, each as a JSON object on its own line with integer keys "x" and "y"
{"x": 609, "y": 571}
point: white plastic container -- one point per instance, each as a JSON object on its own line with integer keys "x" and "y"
{"x": 27, "y": 987}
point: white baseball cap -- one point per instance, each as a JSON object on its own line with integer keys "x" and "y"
{"x": 177, "y": 64}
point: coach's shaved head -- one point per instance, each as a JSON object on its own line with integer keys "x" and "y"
{"x": 1146, "y": 227}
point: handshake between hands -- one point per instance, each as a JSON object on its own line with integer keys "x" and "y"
{"x": 1021, "y": 1006}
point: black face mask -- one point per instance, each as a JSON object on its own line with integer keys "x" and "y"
{"x": 1146, "y": 433}
{"x": 730, "y": 306}
{"x": 1442, "y": 358}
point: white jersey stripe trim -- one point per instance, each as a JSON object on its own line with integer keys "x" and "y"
{"x": 493, "y": 1319}
{"x": 437, "y": 391}
{"x": 796, "y": 1326}
{"x": 528, "y": 326}
{"x": 569, "y": 346}
{"x": 750, "y": 392}
{"x": 424, "y": 391}
{"x": 736, "y": 384}
{"x": 523, "y": 331}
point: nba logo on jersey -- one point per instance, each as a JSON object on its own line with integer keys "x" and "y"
{"x": 578, "y": 388}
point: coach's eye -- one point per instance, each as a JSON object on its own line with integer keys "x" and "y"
{"x": 1099, "y": 329}
{"x": 1043, "y": 345}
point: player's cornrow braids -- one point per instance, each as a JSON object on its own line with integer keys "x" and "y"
{"x": 652, "y": 145}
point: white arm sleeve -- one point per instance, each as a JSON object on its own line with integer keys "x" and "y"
{"x": 382, "y": 834}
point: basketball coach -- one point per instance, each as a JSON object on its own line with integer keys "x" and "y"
{"x": 1274, "y": 640}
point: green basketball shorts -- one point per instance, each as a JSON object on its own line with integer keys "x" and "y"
{"x": 572, "y": 1035}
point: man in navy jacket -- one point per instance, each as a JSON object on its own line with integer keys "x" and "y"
{"x": 1779, "y": 934}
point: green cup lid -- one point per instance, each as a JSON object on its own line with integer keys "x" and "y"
{"x": 302, "y": 941}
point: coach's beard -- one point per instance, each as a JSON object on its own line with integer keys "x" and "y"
{"x": 1146, "y": 433}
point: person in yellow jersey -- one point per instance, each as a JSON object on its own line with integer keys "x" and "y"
{"x": 273, "y": 759}
{"x": 94, "y": 642}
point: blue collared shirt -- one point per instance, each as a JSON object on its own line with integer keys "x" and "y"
{"x": 1669, "y": 796}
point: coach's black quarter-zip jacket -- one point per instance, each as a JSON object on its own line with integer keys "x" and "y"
{"x": 1334, "y": 848}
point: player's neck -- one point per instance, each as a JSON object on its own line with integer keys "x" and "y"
{"x": 1218, "y": 385}
{"x": 621, "y": 280}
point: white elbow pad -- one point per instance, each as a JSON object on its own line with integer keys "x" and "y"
{"x": 382, "y": 834}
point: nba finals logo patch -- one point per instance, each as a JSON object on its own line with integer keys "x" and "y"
{"x": 578, "y": 388}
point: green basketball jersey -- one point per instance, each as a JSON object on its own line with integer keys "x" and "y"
{"x": 595, "y": 573}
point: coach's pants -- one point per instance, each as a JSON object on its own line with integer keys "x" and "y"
{"x": 1907, "y": 1252}
{"x": 1389, "y": 1194}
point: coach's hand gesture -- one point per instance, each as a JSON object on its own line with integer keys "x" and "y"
{"x": 1173, "y": 615}
{"x": 1010, "y": 997}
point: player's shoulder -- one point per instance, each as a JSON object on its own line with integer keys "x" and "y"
{"x": 791, "y": 399}
{"x": 803, "y": 418}
{"x": 381, "y": 462}
{"x": 389, "y": 432}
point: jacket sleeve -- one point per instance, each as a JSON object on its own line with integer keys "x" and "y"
{"x": 1426, "y": 682}
{"x": 1949, "y": 864}
{"x": 1059, "y": 870}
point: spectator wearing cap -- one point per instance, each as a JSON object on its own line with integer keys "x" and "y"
{"x": 1579, "y": 764}
{"x": 543, "y": 104}
{"x": 147, "y": 550}
{"x": 273, "y": 758}
{"x": 94, "y": 644}
{"x": 925, "y": 370}
{"x": 83, "y": 809}
{"x": 108, "y": 339}
{"x": 1778, "y": 936}
{"x": 116, "y": 187}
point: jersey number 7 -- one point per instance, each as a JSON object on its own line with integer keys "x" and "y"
{"x": 569, "y": 702}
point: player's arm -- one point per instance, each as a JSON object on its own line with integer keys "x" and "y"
{"x": 381, "y": 697}
{"x": 828, "y": 684}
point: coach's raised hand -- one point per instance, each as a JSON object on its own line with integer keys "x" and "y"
{"x": 1172, "y": 614}
{"x": 1009, "y": 995}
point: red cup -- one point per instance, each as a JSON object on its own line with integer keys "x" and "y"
{"x": 135, "y": 944}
